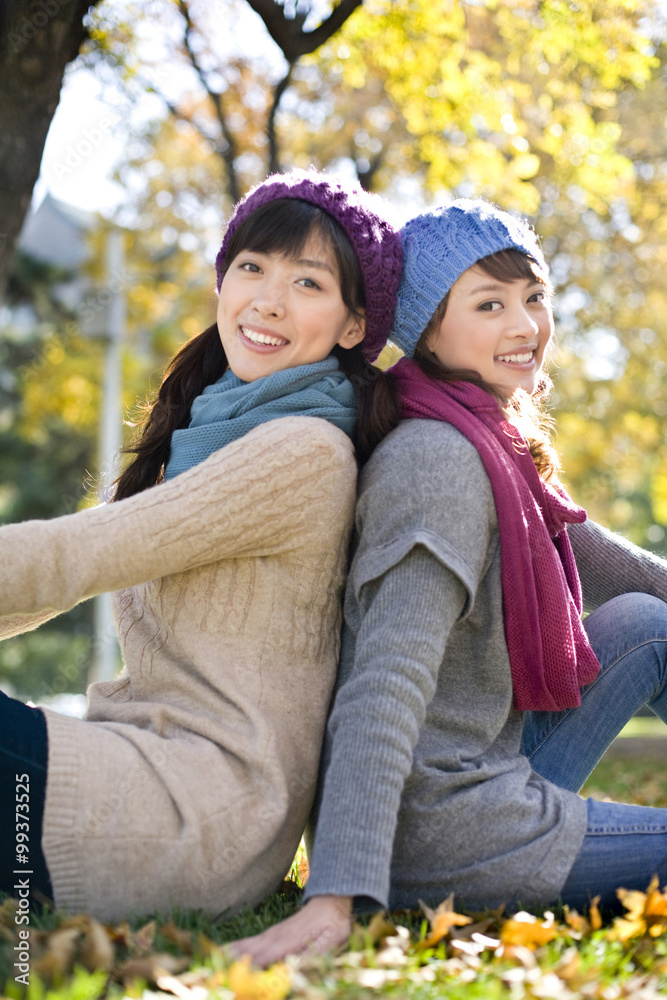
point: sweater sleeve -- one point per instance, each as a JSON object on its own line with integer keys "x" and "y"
{"x": 421, "y": 554}
{"x": 252, "y": 498}
{"x": 407, "y": 617}
{"x": 610, "y": 565}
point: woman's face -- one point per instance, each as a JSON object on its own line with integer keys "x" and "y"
{"x": 275, "y": 312}
{"x": 500, "y": 329}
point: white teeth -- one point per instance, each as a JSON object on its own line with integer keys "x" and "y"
{"x": 262, "y": 338}
{"x": 517, "y": 359}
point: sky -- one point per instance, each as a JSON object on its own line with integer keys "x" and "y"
{"x": 89, "y": 129}
{"x": 85, "y": 140}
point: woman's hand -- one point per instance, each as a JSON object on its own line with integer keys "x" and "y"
{"x": 324, "y": 923}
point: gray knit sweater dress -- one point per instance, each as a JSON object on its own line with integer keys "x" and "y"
{"x": 423, "y": 789}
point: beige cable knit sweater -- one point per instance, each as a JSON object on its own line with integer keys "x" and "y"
{"x": 191, "y": 779}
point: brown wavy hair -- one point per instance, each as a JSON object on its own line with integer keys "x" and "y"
{"x": 526, "y": 412}
{"x": 283, "y": 227}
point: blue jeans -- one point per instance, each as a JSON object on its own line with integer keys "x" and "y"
{"x": 624, "y": 844}
{"x": 23, "y": 766}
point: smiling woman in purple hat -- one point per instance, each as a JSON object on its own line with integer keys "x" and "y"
{"x": 191, "y": 778}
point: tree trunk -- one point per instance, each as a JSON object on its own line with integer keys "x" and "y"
{"x": 37, "y": 40}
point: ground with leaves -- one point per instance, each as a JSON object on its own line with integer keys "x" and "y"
{"x": 420, "y": 956}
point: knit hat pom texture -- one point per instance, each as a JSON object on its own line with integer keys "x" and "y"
{"x": 361, "y": 215}
{"x": 439, "y": 246}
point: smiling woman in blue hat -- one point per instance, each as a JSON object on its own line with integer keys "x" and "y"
{"x": 472, "y": 702}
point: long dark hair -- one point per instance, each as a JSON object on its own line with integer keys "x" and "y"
{"x": 282, "y": 226}
{"x": 522, "y": 409}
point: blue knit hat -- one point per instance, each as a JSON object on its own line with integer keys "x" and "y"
{"x": 439, "y": 246}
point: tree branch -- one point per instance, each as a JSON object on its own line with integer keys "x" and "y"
{"x": 288, "y": 33}
{"x": 279, "y": 90}
{"x": 230, "y": 153}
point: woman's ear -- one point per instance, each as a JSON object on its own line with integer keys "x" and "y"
{"x": 354, "y": 334}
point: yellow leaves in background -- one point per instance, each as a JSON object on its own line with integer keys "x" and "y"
{"x": 63, "y": 382}
{"x": 497, "y": 94}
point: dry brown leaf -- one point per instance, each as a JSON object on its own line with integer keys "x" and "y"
{"x": 380, "y": 928}
{"x": 121, "y": 934}
{"x": 481, "y": 927}
{"x": 142, "y": 941}
{"x": 442, "y": 920}
{"x": 250, "y": 984}
{"x": 182, "y": 939}
{"x": 96, "y": 950}
{"x": 151, "y": 966}
{"x": 58, "y": 955}
{"x": 525, "y": 930}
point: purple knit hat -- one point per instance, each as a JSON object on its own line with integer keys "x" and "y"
{"x": 361, "y": 215}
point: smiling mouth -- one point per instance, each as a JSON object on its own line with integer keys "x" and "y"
{"x": 523, "y": 358}
{"x": 263, "y": 339}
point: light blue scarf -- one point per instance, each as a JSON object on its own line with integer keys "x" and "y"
{"x": 229, "y": 408}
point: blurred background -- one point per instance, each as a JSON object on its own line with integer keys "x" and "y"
{"x": 128, "y": 128}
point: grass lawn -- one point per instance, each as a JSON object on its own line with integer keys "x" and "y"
{"x": 561, "y": 956}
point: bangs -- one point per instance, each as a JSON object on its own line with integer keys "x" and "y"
{"x": 284, "y": 226}
{"x": 514, "y": 265}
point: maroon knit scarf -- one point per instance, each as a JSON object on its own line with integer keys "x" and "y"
{"x": 550, "y": 655}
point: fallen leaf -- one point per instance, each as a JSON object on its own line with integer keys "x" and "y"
{"x": 527, "y": 931}
{"x": 646, "y": 913}
{"x": 151, "y": 966}
{"x": 96, "y": 950}
{"x": 442, "y": 920}
{"x": 250, "y": 984}
{"x": 58, "y": 955}
{"x": 380, "y": 928}
{"x": 594, "y": 914}
{"x": 121, "y": 934}
{"x": 170, "y": 984}
{"x": 182, "y": 939}
{"x": 579, "y": 926}
{"x": 141, "y": 942}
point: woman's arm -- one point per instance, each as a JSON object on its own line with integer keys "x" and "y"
{"x": 254, "y": 497}
{"x": 426, "y": 520}
{"x": 374, "y": 727}
{"x": 610, "y": 565}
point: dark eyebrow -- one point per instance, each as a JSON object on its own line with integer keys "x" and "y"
{"x": 494, "y": 286}
{"x": 321, "y": 264}
{"x": 486, "y": 288}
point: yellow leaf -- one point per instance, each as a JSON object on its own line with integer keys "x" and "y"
{"x": 527, "y": 931}
{"x": 647, "y": 913}
{"x": 594, "y": 914}
{"x": 249, "y": 984}
{"x": 442, "y": 920}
